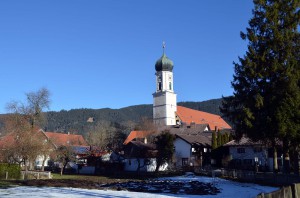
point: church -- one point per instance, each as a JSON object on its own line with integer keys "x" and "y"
{"x": 165, "y": 109}
{"x": 192, "y": 128}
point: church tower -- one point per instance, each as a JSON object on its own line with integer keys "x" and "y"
{"x": 164, "y": 98}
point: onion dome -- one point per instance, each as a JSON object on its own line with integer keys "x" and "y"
{"x": 164, "y": 64}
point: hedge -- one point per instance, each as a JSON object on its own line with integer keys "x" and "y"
{"x": 14, "y": 171}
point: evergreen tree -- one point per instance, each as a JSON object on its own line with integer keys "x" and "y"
{"x": 219, "y": 139}
{"x": 214, "y": 140}
{"x": 165, "y": 147}
{"x": 222, "y": 139}
{"x": 230, "y": 137}
{"x": 226, "y": 138}
{"x": 266, "y": 101}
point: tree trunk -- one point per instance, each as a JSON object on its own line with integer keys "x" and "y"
{"x": 139, "y": 166}
{"x": 63, "y": 168}
{"x": 26, "y": 170}
{"x": 286, "y": 157}
{"x": 157, "y": 165}
{"x": 296, "y": 162}
{"x": 286, "y": 163}
{"x": 43, "y": 163}
{"x": 275, "y": 164}
{"x": 61, "y": 171}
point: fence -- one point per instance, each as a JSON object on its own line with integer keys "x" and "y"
{"x": 36, "y": 174}
{"x": 292, "y": 191}
{"x": 266, "y": 178}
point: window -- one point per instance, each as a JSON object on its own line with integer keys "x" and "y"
{"x": 159, "y": 86}
{"x": 241, "y": 150}
{"x": 257, "y": 149}
{"x": 170, "y": 85}
{"x": 185, "y": 161}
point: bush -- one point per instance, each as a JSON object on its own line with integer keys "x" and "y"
{"x": 14, "y": 171}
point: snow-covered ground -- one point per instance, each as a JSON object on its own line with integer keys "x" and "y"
{"x": 228, "y": 189}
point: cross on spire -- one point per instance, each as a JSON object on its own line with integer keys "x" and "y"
{"x": 164, "y": 46}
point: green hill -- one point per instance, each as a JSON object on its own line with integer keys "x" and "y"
{"x": 76, "y": 120}
{"x": 81, "y": 121}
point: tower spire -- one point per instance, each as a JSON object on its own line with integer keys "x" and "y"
{"x": 164, "y": 46}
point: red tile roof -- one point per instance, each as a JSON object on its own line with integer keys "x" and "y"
{"x": 7, "y": 140}
{"x": 189, "y": 116}
{"x": 137, "y": 134}
{"x": 10, "y": 138}
{"x": 63, "y": 139}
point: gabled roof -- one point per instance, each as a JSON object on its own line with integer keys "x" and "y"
{"x": 199, "y": 139}
{"x": 244, "y": 141}
{"x": 137, "y": 134}
{"x": 188, "y": 116}
{"x": 196, "y": 129}
{"x": 6, "y": 140}
{"x": 62, "y": 139}
{"x": 10, "y": 139}
{"x": 139, "y": 149}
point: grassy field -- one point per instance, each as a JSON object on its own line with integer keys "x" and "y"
{"x": 6, "y": 184}
{"x": 77, "y": 181}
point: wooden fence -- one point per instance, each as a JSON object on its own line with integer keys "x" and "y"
{"x": 292, "y": 191}
{"x": 267, "y": 178}
{"x": 36, "y": 174}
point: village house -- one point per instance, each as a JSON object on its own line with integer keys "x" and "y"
{"x": 51, "y": 141}
{"x": 192, "y": 150}
{"x": 139, "y": 153}
{"x": 192, "y": 128}
{"x": 249, "y": 155}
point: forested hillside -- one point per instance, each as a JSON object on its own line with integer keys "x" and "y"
{"x": 76, "y": 120}
{"x": 88, "y": 121}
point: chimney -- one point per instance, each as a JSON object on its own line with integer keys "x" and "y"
{"x": 193, "y": 124}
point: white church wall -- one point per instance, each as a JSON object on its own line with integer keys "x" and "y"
{"x": 167, "y": 79}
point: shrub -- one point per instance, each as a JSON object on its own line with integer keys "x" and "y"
{"x": 14, "y": 171}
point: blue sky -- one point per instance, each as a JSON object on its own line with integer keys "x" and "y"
{"x": 101, "y": 53}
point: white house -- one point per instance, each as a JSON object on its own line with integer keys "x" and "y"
{"x": 246, "y": 154}
{"x": 140, "y": 157}
{"x": 192, "y": 150}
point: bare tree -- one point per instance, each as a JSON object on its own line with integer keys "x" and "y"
{"x": 26, "y": 142}
{"x": 64, "y": 155}
{"x": 102, "y": 134}
{"x": 23, "y": 124}
{"x": 146, "y": 124}
{"x": 36, "y": 103}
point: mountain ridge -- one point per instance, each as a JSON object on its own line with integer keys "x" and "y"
{"x": 76, "y": 119}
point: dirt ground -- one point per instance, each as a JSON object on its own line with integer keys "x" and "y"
{"x": 152, "y": 186}
{"x": 87, "y": 183}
